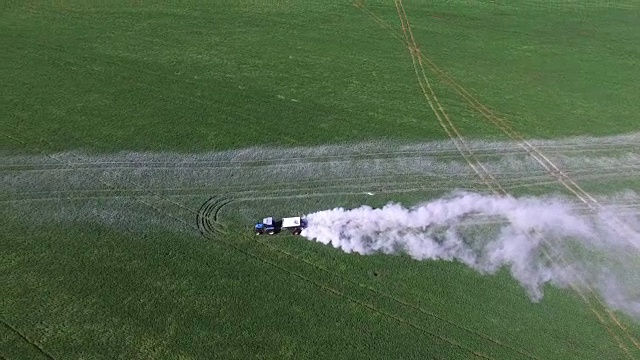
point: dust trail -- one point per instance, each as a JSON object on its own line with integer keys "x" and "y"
{"x": 449, "y": 229}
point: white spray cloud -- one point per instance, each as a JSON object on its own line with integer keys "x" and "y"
{"x": 540, "y": 240}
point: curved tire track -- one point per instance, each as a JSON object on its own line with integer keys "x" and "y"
{"x": 208, "y": 217}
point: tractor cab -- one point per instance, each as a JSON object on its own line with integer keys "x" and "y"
{"x": 267, "y": 226}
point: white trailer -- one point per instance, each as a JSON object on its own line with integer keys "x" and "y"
{"x": 291, "y": 222}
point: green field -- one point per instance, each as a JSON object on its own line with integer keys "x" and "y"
{"x": 130, "y": 128}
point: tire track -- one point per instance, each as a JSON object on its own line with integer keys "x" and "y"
{"x": 244, "y": 164}
{"x": 496, "y": 188}
{"x": 402, "y": 302}
{"x": 207, "y": 217}
{"x": 436, "y": 107}
{"x": 555, "y": 171}
{"x": 378, "y": 186}
{"x": 210, "y": 206}
{"x": 324, "y": 287}
{"x": 99, "y": 179}
{"x": 438, "y": 110}
{"x": 418, "y": 51}
{"x": 370, "y": 307}
{"x": 479, "y": 149}
{"x": 24, "y": 338}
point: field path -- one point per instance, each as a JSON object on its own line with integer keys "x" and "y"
{"x": 600, "y": 311}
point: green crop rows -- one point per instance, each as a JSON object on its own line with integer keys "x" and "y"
{"x": 131, "y": 128}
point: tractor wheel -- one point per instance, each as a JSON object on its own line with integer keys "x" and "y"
{"x": 296, "y": 231}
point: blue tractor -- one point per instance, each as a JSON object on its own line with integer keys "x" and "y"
{"x": 272, "y": 226}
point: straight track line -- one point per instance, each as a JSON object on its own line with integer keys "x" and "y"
{"x": 415, "y": 52}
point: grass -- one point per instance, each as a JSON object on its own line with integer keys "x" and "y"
{"x": 112, "y": 267}
{"x": 557, "y": 69}
{"x": 157, "y": 78}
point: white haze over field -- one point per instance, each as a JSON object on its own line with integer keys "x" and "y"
{"x": 540, "y": 240}
{"x": 143, "y": 191}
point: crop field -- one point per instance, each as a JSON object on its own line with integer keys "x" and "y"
{"x": 141, "y": 140}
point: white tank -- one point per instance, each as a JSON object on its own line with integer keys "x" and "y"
{"x": 291, "y": 222}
